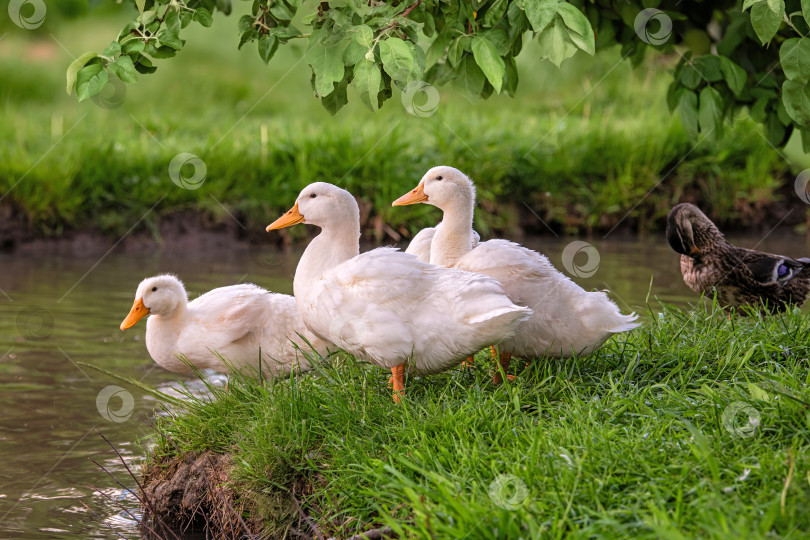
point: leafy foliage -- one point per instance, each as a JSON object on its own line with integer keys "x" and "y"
{"x": 752, "y": 54}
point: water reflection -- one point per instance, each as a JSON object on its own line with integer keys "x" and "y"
{"x": 58, "y": 311}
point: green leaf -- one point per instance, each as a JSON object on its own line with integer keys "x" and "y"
{"x": 806, "y": 15}
{"x": 267, "y": 47}
{"x": 469, "y": 78}
{"x": 580, "y": 31}
{"x": 688, "y": 110}
{"x": 774, "y": 131}
{"x": 540, "y": 13}
{"x": 336, "y": 99}
{"x": 144, "y": 65}
{"x": 437, "y": 48}
{"x": 124, "y": 69}
{"x": 796, "y": 97}
{"x": 354, "y": 53}
{"x": 363, "y": 35}
{"x": 367, "y": 80}
{"x": 326, "y": 64}
{"x": 203, "y": 16}
{"x": 74, "y": 68}
{"x": 735, "y": 76}
{"x": 90, "y": 80}
{"x": 690, "y": 76}
{"x": 765, "y": 20}
{"x": 489, "y": 61}
{"x": 710, "y": 113}
{"x": 455, "y": 51}
{"x": 170, "y": 35}
{"x": 112, "y": 49}
{"x": 495, "y": 13}
{"x": 554, "y": 43}
{"x": 709, "y": 68}
{"x": 397, "y": 58}
{"x": 748, "y": 3}
{"x": 140, "y": 4}
{"x": 510, "y": 81}
{"x": 794, "y": 55}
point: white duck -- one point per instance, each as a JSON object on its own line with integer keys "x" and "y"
{"x": 240, "y": 323}
{"x": 567, "y": 320}
{"x": 387, "y": 307}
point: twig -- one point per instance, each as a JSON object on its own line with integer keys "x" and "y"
{"x": 305, "y": 517}
{"x": 118, "y": 534}
{"x": 144, "y": 500}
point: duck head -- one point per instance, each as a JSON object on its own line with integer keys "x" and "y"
{"x": 442, "y": 187}
{"x": 689, "y": 230}
{"x": 321, "y": 204}
{"x": 158, "y": 295}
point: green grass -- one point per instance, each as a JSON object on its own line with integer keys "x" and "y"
{"x": 581, "y": 146}
{"x": 631, "y": 441}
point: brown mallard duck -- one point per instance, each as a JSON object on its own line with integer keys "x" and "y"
{"x": 740, "y": 276}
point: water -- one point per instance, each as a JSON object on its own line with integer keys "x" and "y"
{"x": 57, "y": 311}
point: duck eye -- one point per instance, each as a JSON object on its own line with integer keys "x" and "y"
{"x": 312, "y": 196}
{"x": 439, "y": 177}
{"x": 154, "y": 289}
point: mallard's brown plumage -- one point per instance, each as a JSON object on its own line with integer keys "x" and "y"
{"x": 740, "y": 276}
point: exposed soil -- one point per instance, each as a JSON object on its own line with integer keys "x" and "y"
{"x": 190, "y": 231}
{"x": 195, "y": 494}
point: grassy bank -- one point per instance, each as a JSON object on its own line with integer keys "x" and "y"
{"x": 696, "y": 424}
{"x": 580, "y": 146}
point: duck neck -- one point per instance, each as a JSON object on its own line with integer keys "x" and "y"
{"x": 453, "y": 239}
{"x": 333, "y": 246}
{"x": 163, "y": 329}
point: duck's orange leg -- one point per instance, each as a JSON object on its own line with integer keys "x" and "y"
{"x": 503, "y": 364}
{"x": 398, "y": 382}
{"x": 469, "y": 363}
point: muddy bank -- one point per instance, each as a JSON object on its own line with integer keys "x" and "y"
{"x": 195, "y": 494}
{"x": 195, "y": 231}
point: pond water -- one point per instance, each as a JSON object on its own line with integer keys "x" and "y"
{"x": 59, "y": 311}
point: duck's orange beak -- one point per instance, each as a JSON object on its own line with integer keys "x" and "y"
{"x": 414, "y": 196}
{"x": 292, "y": 217}
{"x": 694, "y": 251}
{"x": 138, "y": 312}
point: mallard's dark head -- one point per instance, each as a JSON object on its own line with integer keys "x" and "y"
{"x": 689, "y": 230}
